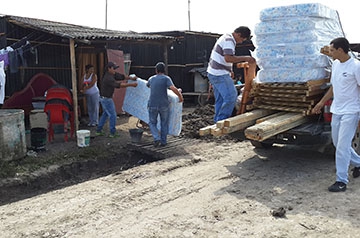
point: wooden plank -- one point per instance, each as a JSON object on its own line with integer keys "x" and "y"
{"x": 289, "y": 95}
{"x": 294, "y": 85}
{"x": 281, "y": 108}
{"x": 248, "y": 116}
{"x": 283, "y": 86}
{"x": 315, "y": 87}
{"x": 206, "y": 130}
{"x": 311, "y": 99}
{"x": 275, "y": 125}
{"x": 286, "y": 91}
{"x": 262, "y": 137}
{"x": 238, "y": 127}
{"x": 317, "y": 82}
{"x": 315, "y": 92}
{"x": 216, "y": 131}
{"x": 286, "y": 103}
{"x": 307, "y": 91}
{"x": 220, "y": 124}
{"x": 269, "y": 117}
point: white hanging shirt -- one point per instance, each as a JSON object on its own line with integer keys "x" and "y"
{"x": 2, "y": 82}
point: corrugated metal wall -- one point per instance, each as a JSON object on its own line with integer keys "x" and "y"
{"x": 48, "y": 54}
{"x": 190, "y": 50}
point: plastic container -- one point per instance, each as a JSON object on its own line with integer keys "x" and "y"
{"x": 83, "y": 138}
{"x": 12, "y": 134}
{"x": 38, "y": 138}
{"x": 136, "y": 134}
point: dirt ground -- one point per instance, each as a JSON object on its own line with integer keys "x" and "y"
{"x": 217, "y": 187}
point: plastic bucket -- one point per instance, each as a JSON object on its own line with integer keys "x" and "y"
{"x": 83, "y": 138}
{"x": 136, "y": 134}
{"x": 38, "y": 138}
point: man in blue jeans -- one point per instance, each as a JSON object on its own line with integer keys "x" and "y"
{"x": 108, "y": 85}
{"x": 159, "y": 103}
{"x": 220, "y": 69}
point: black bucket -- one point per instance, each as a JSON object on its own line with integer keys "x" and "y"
{"x": 38, "y": 138}
{"x": 136, "y": 134}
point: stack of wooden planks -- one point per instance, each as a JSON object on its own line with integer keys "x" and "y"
{"x": 259, "y": 124}
{"x": 274, "y": 124}
{"x": 278, "y": 107}
{"x": 236, "y": 123}
{"x": 290, "y": 97}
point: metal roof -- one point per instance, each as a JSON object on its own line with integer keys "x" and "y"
{"x": 80, "y": 32}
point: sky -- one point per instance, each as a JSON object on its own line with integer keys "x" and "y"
{"x": 168, "y": 15}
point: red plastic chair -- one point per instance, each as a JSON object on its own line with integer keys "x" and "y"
{"x": 59, "y": 108}
{"x": 59, "y": 113}
{"x": 62, "y": 93}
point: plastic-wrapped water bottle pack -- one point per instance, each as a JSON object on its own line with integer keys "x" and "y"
{"x": 289, "y": 39}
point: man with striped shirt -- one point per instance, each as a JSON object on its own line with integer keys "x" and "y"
{"x": 220, "y": 68}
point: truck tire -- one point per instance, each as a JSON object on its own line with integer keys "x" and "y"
{"x": 261, "y": 145}
{"x": 356, "y": 140}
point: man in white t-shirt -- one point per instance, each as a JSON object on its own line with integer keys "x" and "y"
{"x": 220, "y": 68}
{"x": 345, "y": 109}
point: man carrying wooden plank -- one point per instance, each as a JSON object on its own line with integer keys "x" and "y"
{"x": 220, "y": 67}
{"x": 345, "y": 109}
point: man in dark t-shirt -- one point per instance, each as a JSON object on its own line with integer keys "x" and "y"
{"x": 159, "y": 103}
{"x": 108, "y": 85}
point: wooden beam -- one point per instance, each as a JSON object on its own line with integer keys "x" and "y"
{"x": 274, "y": 126}
{"x": 74, "y": 82}
{"x": 248, "y": 116}
{"x": 269, "y": 117}
{"x": 220, "y": 124}
{"x": 206, "y": 130}
{"x": 238, "y": 127}
{"x": 216, "y": 131}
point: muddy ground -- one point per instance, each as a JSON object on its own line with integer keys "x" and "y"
{"x": 209, "y": 187}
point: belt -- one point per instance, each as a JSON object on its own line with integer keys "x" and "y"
{"x": 103, "y": 97}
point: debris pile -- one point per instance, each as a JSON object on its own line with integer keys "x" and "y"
{"x": 199, "y": 118}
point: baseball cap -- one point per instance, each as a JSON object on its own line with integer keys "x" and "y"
{"x": 113, "y": 65}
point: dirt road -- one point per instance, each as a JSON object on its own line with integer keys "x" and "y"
{"x": 215, "y": 190}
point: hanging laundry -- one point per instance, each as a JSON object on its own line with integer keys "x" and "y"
{"x": 14, "y": 61}
{"x": 2, "y": 81}
{"x": 4, "y": 57}
{"x": 18, "y": 57}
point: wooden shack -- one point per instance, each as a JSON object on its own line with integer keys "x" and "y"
{"x": 62, "y": 50}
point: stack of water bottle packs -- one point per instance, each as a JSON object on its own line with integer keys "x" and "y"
{"x": 289, "y": 39}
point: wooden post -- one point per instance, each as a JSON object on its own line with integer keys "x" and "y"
{"x": 247, "y": 87}
{"x": 165, "y": 49}
{"x": 74, "y": 83}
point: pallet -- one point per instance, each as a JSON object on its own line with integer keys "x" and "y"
{"x": 289, "y": 97}
{"x": 173, "y": 148}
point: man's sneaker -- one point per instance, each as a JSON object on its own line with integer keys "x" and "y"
{"x": 115, "y": 135}
{"x": 99, "y": 133}
{"x": 337, "y": 187}
{"x": 156, "y": 143}
{"x": 356, "y": 172}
